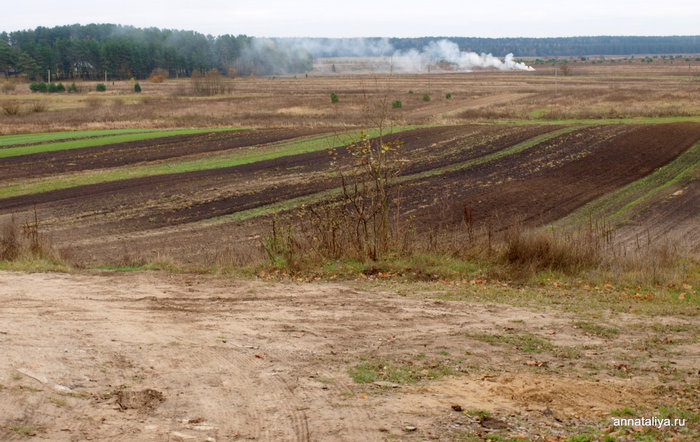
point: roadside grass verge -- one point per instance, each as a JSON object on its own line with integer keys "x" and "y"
{"x": 621, "y": 205}
{"x": 101, "y": 141}
{"x": 236, "y": 158}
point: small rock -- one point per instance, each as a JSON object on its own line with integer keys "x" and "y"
{"x": 457, "y": 407}
{"x": 409, "y": 428}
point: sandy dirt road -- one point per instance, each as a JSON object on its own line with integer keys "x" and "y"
{"x": 151, "y": 356}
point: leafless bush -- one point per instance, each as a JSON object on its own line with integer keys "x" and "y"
{"x": 93, "y": 102}
{"x": 27, "y": 241}
{"x": 38, "y": 106}
{"x": 11, "y": 108}
{"x": 211, "y": 83}
{"x": 8, "y": 86}
{"x": 10, "y": 246}
{"x": 158, "y": 75}
{"x": 532, "y": 251}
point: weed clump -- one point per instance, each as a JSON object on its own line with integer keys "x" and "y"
{"x": 334, "y": 98}
{"x": 11, "y": 108}
{"x": 25, "y": 242}
{"x": 10, "y": 246}
{"x": 100, "y": 87}
{"x": 537, "y": 251}
{"x": 396, "y": 104}
{"x": 39, "y": 107}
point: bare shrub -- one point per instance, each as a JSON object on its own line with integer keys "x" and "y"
{"x": 38, "y": 106}
{"x": 93, "y": 102}
{"x": 11, "y": 108}
{"x": 149, "y": 100}
{"x": 8, "y": 86}
{"x": 211, "y": 83}
{"x": 532, "y": 251}
{"x": 355, "y": 223}
{"x": 10, "y": 246}
{"x": 158, "y": 75}
{"x": 27, "y": 241}
{"x": 38, "y": 246}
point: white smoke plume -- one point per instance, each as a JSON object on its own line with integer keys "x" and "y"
{"x": 345, "y": 47}
{"x": 444, "y": 54}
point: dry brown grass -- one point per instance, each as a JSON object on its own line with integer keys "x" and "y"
{"x": 591, "y": 92}
{"x": 11, "y": 108}
{"x": 8, "y": 86}
{"x": 25, "y": 241}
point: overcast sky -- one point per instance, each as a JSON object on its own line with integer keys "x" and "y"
{"x": 371, "y": 18}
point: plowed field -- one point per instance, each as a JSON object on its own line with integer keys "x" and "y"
{"x": 527, "y": 173}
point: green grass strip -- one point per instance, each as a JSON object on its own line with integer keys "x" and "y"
{"x": 101, "y": 141}
{"x": 10, "y": 140}
{"x": 621, "y": 205}
{"x": 238, "y": 157}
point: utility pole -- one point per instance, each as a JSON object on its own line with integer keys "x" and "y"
{"x": 49, "y": 76}
{"x": 105, "y": 77}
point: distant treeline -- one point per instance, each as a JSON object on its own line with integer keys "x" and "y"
{"x": 521, "y": 47}
{"x": 570, "y": 46}
{"x": 89, "y": 51}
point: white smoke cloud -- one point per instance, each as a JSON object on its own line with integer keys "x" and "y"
{"x": 346, "y": 47}
{"x": 444, "y": 54}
